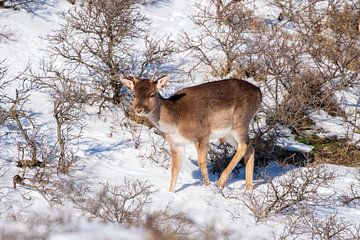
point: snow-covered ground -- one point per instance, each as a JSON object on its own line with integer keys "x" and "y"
{"x": 107, "y": 151}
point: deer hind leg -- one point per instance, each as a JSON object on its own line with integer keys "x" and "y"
{"x": 176, "y": 155}
{"x": 202, "y": 148}
{"x": 240, "y": 152}
{"x": 249, "y": 166}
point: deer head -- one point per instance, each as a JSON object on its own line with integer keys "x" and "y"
{"x": 146, "y": 93}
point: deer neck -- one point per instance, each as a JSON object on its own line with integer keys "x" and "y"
{"x": 163, "y": 115}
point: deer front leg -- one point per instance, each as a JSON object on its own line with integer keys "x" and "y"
{"x": 202, "y": 148}
{"x": 176, "y": 155}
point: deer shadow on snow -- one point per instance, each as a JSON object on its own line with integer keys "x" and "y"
{"x": 266, "y": 167}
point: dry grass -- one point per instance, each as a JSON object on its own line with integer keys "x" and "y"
{"x": 332, "y": 150}
{"x": 140, "y": 120}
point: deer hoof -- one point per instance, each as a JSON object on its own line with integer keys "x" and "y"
{"x": 206, "y": 182}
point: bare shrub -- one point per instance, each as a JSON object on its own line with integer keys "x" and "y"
{"x": 283, "y": 194}
{"x": 351, "y": 196}
{"x": 35, "y": 154}
{"x": 329, "y": 49}
{"x": 165, "y": 225}
{"x": 13, "y": 110}
{"x": 68, "y": 97}
{"x": 210, "y": 232}
{"x": 16, "y": 113}
{"x": 328, "y": 30}
{"x": 225, "y": 27}
{"x": 126, "y": 204}
{"x": 98, "y": 40}
{"x": 157, "y": 52}
{"x": 158, "y": 153}
{"x": 36, "y": 226}
{"x": 307, "y": 224}
{"x": 330, "y": 227}
{"x": 294, "y": 87}
{"x": 307, "y": 93}
{"x": 3, "y": 84}
{"x": 15, "y": 4}
{"x": 220, "y": 156}
{"x": 267, "y": 150}
{"x": 122, "y": 203}
{"x": 6, "y": 34}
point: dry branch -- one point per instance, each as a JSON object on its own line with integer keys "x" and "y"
{"x": 299, "y": 187}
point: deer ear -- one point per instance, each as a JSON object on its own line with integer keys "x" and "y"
{"x": 161, "y": 82}
{"x": 129, "y": 82}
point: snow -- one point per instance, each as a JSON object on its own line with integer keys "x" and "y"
{"x": 334, "y": 126}
{"x": 100, "y": 232}
{"x": 107, "y": 152}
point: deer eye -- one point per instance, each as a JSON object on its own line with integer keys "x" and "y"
{"x": 152, "y": 95}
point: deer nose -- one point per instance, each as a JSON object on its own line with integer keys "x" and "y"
{"x": 139, "y": 111}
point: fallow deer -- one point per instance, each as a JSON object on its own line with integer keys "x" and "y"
{"x": 197, "y": 114}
